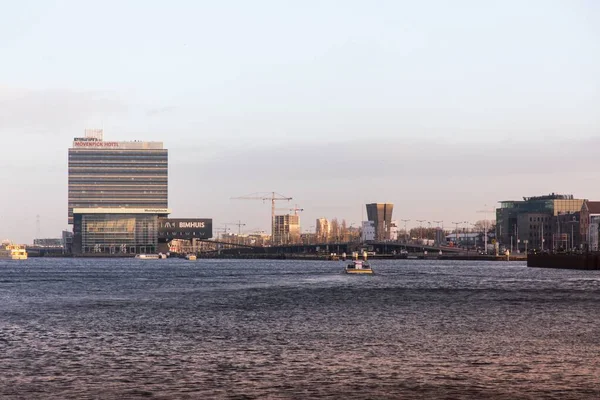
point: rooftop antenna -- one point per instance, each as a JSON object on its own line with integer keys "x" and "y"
{"x": 37, "y": 226}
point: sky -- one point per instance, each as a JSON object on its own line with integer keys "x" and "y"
{"x": 442, "y": 108}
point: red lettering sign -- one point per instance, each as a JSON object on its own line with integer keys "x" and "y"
{"x": 96, "y": 144}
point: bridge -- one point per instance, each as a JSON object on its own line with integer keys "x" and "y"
{"x": 338, "y": 248}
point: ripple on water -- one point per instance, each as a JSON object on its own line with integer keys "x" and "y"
{"x": 249, "y": 329}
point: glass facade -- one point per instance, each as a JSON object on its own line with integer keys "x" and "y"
{"x": 118, "y": 233}
{"x": 536, "y": 220}
{"x": 131, "y": 178}
{"x": 381, "y": 215}
{"x": 567, "y": 206}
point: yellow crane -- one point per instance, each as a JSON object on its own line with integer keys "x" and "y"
{"x": 264, "y": 196}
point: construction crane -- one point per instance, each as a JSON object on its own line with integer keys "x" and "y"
{"x": 273, "y": 197}
{"x": 238, "y": 224}
{"x": 296, "y": 209}
{"x": 223, "y": 231}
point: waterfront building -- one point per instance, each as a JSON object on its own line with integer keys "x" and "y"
{"x": 463, "y": 239}
{"x": 67, "y": 241}
{"x": 110, "y": 174}
{"x": 589, "y": 224}
{"x": 117, "y": 192}
{"x": 381, "y": 215}
{"x": 368, "y": 231}
{"x": 48, "y": 242}
{"x": 538, "y": 222}
{"x": 394, "y": 231}
{"x": 323, "y": 230}
{"x": 286, "y": 229}
{"x": 258, "y": 239}
{"x": 116, "y": 231}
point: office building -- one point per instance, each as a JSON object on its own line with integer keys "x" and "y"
{"x": 108, "y": 174}
{"x": 589, "y": 225}
{"x": 381, "y": 215}
{"x": 538, "y": 222}
{"x": 117, "y": 192}
{"x": 367, "y": 231}
{"x": 394, "y": 231}
{"x": 323, "y": 230}
{"x": 116, "y": 231}
{"x": 286, "y": 229}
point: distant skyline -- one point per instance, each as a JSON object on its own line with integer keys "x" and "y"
{"x": 438, "y": 107}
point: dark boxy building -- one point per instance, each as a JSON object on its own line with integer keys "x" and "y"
{"x": 381, "y": 215}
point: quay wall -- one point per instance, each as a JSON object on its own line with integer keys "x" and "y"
{"x": 589, "y": 261}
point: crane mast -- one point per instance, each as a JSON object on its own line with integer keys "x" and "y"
{"x": 271, "y": 196}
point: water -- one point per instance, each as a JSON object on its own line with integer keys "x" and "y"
{"x": 85, "y": 329}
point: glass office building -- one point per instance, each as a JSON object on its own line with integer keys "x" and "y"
{"x": 535, "y": 222}
{"x": 117, "y": 174}
{"x": 116, "y": 231}
{"x": 117, "y": 192}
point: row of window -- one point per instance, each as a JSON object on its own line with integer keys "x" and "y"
{"x": 116, "y": 180}
{"x": 120, "y": 171}
{"x": 118, "y": 159}
{"x": 538, "y": 227}
{"x": 82, "y": 194}
{"x": 539, "y": 219}
{"x": 117, "y": 165}
{"x": 119, "y": 248}
{"x": 119, "y": 189}
{"x": 118, "y": 153}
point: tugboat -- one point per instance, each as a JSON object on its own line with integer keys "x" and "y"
{"x": 359, "y": 266}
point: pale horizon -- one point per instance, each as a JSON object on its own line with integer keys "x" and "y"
{"x": 442, "y": 109}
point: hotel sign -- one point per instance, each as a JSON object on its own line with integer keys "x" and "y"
{"x": 95, "y": 144}
{"x": 86, "y": 143}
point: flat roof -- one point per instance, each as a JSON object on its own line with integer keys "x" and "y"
{"x": 81, "y": 143}
{"x": 122, "y": 210}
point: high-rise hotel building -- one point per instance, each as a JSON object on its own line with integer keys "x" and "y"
{"x": 117, "y": 191}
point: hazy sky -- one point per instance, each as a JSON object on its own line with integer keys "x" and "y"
{"x": 439, "y": 107}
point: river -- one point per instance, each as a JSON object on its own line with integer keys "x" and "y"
{"x": 239, "y": 329}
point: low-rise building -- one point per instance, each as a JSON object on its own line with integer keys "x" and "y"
{"x": 589, "y": 222}
{"x": 368, "y": 231}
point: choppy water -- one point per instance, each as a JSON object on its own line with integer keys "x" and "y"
{"x": 286, "y": 329}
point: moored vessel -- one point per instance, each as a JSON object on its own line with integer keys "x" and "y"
{"x": 147, "y": 256}
{"x": 191, "y": 257}
{"x": 12, "y": 251}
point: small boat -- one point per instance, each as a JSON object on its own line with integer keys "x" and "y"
{"x": 13, "y": 251}
{"x": 359, "y": 266}
{"x": 191, "y": 257}
{"x": 148, "y": 256}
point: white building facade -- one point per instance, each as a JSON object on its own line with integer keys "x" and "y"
{"x": 368, "y": 231}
